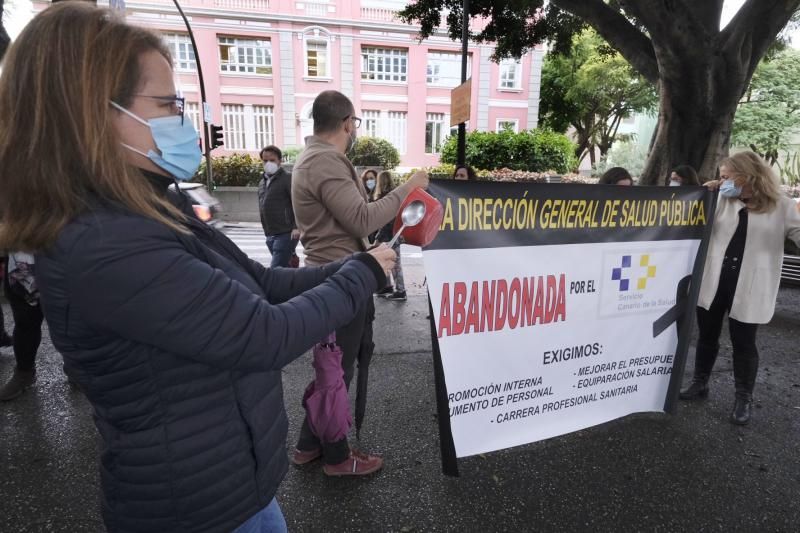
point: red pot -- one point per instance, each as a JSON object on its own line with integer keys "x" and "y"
{"x": 423, "y": 233}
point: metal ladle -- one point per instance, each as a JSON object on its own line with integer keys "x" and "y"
{"x": 412, "y": 215}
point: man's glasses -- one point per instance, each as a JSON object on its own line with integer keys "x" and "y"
{"x": 178, "y": 103}
{"x": 356, "y": 120}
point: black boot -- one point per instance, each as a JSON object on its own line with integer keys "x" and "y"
{"x": 5, "y": 339}
{"x": 745, "y": 370}
{"x": 742, "y": 409}
{"x": 19, "y": 382}
{"x": 704, "y": 359}
{"x": 697, "y": 390}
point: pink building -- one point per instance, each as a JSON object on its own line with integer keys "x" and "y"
{"x": 264, "y": 62}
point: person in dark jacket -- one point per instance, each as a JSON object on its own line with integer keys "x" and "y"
{"x": 275, "y": 206}
{"x": 398, "y": 291}
{"x": 23, "y": 296}
{"x": 5, "y": 338}
{"x": 174, "y": 335}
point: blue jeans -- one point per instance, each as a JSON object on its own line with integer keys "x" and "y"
{"x": 267, "y": 520}
{"x": 281, "y": 246}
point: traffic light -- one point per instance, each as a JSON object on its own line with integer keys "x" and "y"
{"x": 216, "y": 136}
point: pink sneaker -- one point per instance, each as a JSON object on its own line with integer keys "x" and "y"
{"x": 358, "y": 464}
{"x": 299, "y": 457}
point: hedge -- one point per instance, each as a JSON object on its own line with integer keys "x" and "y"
{"x": 537, "y": 150}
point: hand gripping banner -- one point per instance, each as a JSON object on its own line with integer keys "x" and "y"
{"x": 559, "y": 307}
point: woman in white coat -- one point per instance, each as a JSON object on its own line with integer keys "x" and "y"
{"x": 742, "y": 272}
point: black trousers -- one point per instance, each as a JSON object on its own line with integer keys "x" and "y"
{"x": 743, "y": 339}
{"x": 2, "y": 318}
{"x": 350, "y": 339}
{"x": 27, "y": 328}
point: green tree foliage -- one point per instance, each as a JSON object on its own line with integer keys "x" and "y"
{"x": 374, "y": 152}
{"x": 237, "y": 170}
{"x": 592, "y": 89}
{"x": 700, "y": 69}
{"x": 536, "y": 151}
{"x": 769, "y": 114}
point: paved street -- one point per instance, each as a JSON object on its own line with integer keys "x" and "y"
{"x": 250, "y": 238}
{"x": 690, "y": 472}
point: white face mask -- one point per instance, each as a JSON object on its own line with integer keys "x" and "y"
{"x": 674, "y": 183}
{"x": 270, "y": 167}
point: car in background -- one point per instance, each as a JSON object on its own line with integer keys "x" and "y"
{"x": 790, "y": 272}
{"x": 206, "y": 207}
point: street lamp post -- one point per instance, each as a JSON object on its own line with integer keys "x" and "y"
{"x": 206, "y": 137}
{"x": 462, "y": 127}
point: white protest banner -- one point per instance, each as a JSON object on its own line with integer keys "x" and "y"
{"x": 557, "y": 307}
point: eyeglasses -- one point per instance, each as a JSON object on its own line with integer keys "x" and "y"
{"x": 356, "y": 120}
{"x": 178, "y": 102}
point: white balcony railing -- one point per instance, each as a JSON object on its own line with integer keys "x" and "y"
{"x": 250, "y": 5}
{"x": 378, "y": 13}
{"x": 316, "y": 9}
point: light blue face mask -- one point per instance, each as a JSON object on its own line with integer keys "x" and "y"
{"x": 177, "y": 141}
{"x": 370, "y": 184}
{"x": 729, "y": 190}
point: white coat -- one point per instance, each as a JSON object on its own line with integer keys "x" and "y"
{"x": 759, "y": 277}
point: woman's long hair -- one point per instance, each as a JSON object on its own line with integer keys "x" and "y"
{"x": 614, "y": 175}
{"x": 385, "y": 184}
{"x": 364, "y": 177}
{"x": 762, "y": 180}
{"x": 59, "y": 149}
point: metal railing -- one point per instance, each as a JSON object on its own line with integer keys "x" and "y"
{"x": 378, "y": 13}
{"x": 790, "y": 272}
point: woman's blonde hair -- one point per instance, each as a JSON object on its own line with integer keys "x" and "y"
{"x": 59, "y": 149}
{"x": 755, "y": 172}
{"x": 385, "y": 184}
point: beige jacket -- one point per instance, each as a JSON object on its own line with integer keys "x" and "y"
{"x": 330, "y": 204}
{"x": 759, "y": 278}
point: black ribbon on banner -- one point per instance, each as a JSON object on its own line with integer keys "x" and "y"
{"x": 675, "y": 314}
{"x": 446, "y": 444}
{"x": 683, "y": 311}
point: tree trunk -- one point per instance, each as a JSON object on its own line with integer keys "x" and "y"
{"x": 701, "y": 71}
{"x": 699, "y": 92}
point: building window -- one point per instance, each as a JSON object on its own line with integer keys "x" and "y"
{"x": 233, "y": 127}
{"x": 265, "y": 125}
{"x": 508, "y": 124}
{"x": 193, "y": 114}
{"x": 444, "y": 68}
{"x": 317, "y": 59}
{"x": 510, "y": 74}
{"x": 396, "y": 129}
{"x": 371, "y": 125}
{"x": 249, "y": 56}
{"x": 434, "y": 127}
{"x": 180, "y": 46}
{"x": 384, "y": 64}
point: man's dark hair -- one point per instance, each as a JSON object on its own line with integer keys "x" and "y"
{"x": 329, "y": 111}
{"x": 271, "y": 148}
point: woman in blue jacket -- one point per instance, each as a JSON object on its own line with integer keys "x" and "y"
{"x": 175, "y": 336}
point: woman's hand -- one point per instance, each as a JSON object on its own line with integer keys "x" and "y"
{"x": 385, "y": 256}
{"x": 713, "y": 185}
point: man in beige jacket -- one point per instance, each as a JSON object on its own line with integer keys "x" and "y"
{"x": 334, "y": 219}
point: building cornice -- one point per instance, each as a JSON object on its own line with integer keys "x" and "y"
{"x": 411, "y": 32}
